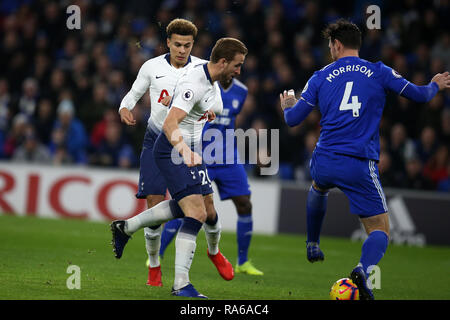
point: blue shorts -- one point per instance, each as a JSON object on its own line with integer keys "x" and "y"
{"x": 151, "y": 181}
{"x": 181, "y": 180}
{"x": 358, "y": 178}
{"x": 231, "y": 180}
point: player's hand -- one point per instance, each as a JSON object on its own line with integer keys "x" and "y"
{"x": 287, "y": 99}
{"x": 192, "y": 159}
{"x": 166, "y": 100}
{"x": 127, "y": 117}
{"x": 211, "y": 115}
{"x": 442, "y": 80}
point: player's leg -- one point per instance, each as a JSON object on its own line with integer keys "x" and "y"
{"x": 152, "y": 237}
{"x": 169, "y": 232}
{"x": 184, "y": 185}
{"x": 244, "y": 226}
{"x": 316, "y": 207}
{"x": 212, "y": 225}
{"x": 321, "y": 166}
{"x": 244, "y": 232}
{"x": 213, "y": 230}
{"x": 361, "y": 184}
{"x": 373, "y": 248}
{"x": 155, "y": 216}
{"x": 185, "y": 244}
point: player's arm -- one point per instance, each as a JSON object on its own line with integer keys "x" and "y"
{"x": 172, "y": 131}
{"x": 422, "y": 94}
{"x": 295, "y": 111}
{"x": 395, "y": 82}
{"x": 140, "y": 86}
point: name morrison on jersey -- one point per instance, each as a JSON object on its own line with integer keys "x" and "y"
{"x": 349, "y": 68}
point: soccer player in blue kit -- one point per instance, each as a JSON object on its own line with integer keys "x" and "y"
{"x": 228, "y": 174}
{"x": 350, "y": 93}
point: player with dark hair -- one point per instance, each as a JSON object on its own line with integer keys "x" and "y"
{"x": 181, "y": 166}
{"x": 350, "y": 93}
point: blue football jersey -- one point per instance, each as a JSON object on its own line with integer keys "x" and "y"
{"x": 233, "y": 99}
{"x": 351, "y": 94}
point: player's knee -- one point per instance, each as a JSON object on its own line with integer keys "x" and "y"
{"x": 193, "y": 206}
{"x": 243, "y": 205}
{"x": 377, "y": 223}
{"x": 153, "y": 200}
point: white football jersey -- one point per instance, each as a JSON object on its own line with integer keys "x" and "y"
{"x": 158, "y": 75}
{"x": 195, "y": 93}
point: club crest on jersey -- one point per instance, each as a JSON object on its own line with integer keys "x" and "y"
{"x": 396, "y": 74}
{"x": 235, "y": 103}
{"x": 188, "y": 94}
{"x": 305, "y": 88}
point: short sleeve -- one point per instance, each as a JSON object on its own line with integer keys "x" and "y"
{"x": 310, "y": 91}
{"x": 392, "y": 80}
{"x": 184, "y": 96}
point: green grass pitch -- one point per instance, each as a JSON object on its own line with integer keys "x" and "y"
{"x": 35, "y": 254}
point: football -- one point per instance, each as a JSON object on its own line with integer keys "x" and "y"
{"x": 344, "y": 289}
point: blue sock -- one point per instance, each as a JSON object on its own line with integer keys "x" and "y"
{"x": 244, "y": 235}
{"x": 316, "y": 206}
{"x": 373, "y": 249}
{"x": 170, "y": 230}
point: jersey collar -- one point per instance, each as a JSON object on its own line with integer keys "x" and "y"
{"x": 208, "y": 76}
{"x": 167, "y": 57}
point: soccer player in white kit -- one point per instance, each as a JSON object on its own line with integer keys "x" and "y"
{"x": 158, "y": 75}
{"x": 185, "y": 179}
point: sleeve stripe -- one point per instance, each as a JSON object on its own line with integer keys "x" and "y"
{"x": 312, "y": 105}
{"x": 403, "y": 88}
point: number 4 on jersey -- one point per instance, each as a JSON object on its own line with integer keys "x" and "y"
{"x": 355, "y": 105}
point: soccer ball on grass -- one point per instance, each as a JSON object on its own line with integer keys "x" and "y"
{"x": 344, "y": 289}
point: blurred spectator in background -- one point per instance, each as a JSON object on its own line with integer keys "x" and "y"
{"x": 387, "y": 174}
{"x": 414, "y": 178}
{"x": 31, "y": 150}
{"x": 98, "y": 133}
{"x": 436, "y": 167}
{"x": 427, "y": 144}
{"x": 58, "y": 149}
{"x": 43, "y": 120}
{"x": 28, "y": 100}
{"x": 16, "y": 135}
{"x": 444, "y": 185}
{"x": 445, "y": 127}
{"x": 93, "y": 110}
{"x": 401, "y": 148}
{"x": 113, "y": 151}
{"x": 75, "y": 138}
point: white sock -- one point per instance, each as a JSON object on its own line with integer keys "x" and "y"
{"x": 152, "y": 244}
{"x": 185, "y": 245}
{"x": 212, "y": 234}
{"x": 151, "y": 217}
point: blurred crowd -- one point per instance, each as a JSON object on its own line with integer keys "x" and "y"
{"x": 60, "y": 89}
